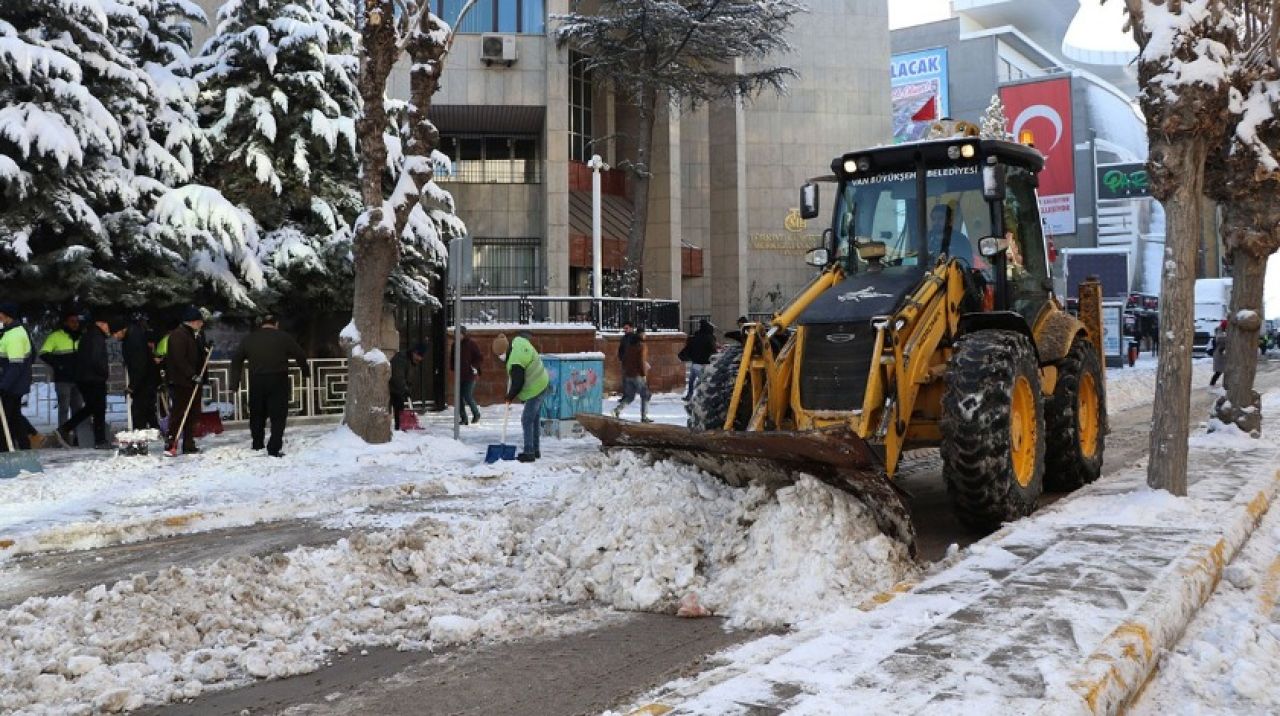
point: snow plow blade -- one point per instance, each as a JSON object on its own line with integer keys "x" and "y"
{"x": 837, "y": 456}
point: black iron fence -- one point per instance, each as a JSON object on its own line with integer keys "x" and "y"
{"x": 575, "y": 311}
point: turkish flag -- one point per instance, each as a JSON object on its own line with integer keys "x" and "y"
{"x": 927, "y": 113}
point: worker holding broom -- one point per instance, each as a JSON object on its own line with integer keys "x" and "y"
{"x": 528, "y": 384}
{"x": 184, "y": 365}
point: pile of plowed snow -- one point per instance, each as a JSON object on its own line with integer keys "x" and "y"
{"x": 623, "y": 532}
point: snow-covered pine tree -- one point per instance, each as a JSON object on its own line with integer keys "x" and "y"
{"x": 64, "y": 88}
{"x": 279, "y": 101}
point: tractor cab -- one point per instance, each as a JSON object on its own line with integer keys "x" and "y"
{"x": 901, "y": 210}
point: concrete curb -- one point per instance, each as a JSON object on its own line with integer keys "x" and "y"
{"x": 1115, "y": 673}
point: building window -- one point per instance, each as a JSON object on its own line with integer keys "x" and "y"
{"x": 506, "y": 266}
{"x": 518, "y": 16}
{"x": 491, "y": 159}
{"x": 579, "y": 108}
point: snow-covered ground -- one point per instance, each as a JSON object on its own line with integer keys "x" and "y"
{"x": 469, "y": 552}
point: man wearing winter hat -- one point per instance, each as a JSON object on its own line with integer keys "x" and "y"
{"x": 529, "y": 382}
{"x": 59, "y": 352}
{"x": 92, "y": 372}
{"x": 184, "y": 364}
{"x": 15, "y": 376}
{"x": 268, "y": 351}
{"x": 402, "y": 364}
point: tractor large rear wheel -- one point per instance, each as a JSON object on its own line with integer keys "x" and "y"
{"x": 709, "y": 403}
{"x": 993, "y": 429}
{"x": 1076, "y": 419}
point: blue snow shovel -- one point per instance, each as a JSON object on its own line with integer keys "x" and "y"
{"x": 501, "y": 451}
{"x": 13, "y": 462}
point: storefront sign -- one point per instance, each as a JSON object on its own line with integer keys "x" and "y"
{"x": 1123, "y": 181}
{"x": 918, "y": 89}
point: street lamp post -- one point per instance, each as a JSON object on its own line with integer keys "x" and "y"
{"x": 597, "y": 268}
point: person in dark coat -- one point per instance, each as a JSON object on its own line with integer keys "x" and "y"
{"x": 59, "y": 352}
{"x": 401, "y": 367}
{"x": 16, "y": 358}
{"x": 698, "y": 349}
{"x": 1218, "y": 349}
{"x": 469, "y": 360}
{"x": 738, "y": 335}
{"x": 93, "y": 369}
{"x": 268, "y": 351}
{"x": 142, "y": 375}
{"x": 635, "y": 371}
{"x": 184, "y": 369}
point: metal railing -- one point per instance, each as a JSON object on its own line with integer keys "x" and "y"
{"x": 605, "y": 314}
{"x": 493, "y": 171}
{"x": 324, "y": 393}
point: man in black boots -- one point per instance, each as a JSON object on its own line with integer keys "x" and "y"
{"x": 184, "y": 364}
{"x": 92, "y": 372}
{"x": 268, "y": 351}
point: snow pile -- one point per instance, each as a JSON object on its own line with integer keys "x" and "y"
{"x": 637, "y": 536}
{"x": 1130, "y": 387}
{"x": 185, "y": 630}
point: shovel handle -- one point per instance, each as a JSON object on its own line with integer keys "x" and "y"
{"x": 506, "y": 414}
{"x": 4, "y": 421}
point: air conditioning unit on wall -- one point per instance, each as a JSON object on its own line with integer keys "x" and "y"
{"x": 498, "y": 48}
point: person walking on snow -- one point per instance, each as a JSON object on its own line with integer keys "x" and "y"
{"x": 15, "y": 376}
{"x": 401, "y": 364}
{"x": 529, "y": 382}
{"x": 268, "y": 351}
{"x": 470, "y": 358}
{"x": 1218, "y": 347}
{"x": 59, "y": 352}
{"x": 93, "y": 370}
{"x": 183, "y": 367}
{"x": 698, "y": 349}
{"x": 635, "y": 371}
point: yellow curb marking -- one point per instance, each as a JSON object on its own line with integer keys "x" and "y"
{"x": 1258, "y": 506}
{"x": 1270, "y": 591}
{"x": 181, "y": 520}
{"x": 6, "y": 543}
{"x": 651, "y": 710}
{"x": 1133, "y": 638}
{"x": 887, "y": 596}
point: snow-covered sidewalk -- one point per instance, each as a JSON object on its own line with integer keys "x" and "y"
{"x": 1064, "y": 612}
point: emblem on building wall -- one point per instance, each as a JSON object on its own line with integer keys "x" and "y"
{"x": 794, "y": 223}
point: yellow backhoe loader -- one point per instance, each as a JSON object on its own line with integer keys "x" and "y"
{"x": 933, "y": 323}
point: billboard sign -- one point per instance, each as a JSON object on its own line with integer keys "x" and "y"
{"x": 1044, "y": 109}
{"x": 918, "y": 88}
{"x": 1123, "y": 181}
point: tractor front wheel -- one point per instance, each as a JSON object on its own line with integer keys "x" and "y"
{"x": 1076, "y": 418}
{"x": 709, "y": 403}
{"x": 993, "y": 437}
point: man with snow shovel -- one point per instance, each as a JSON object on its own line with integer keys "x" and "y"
{"x": 184, "y": 363}
{"x": 528, "y": 384}
{"x": 15, "y": 376}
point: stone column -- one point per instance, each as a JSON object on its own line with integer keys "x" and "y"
{"x": 662, "y": 240}
{"x": 728, "y": 249}
{"x": 555, "y": 144}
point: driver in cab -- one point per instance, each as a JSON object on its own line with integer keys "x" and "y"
{"x": 941, "y": 225}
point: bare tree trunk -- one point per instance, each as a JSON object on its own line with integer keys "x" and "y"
{"x": 376, "y": 250}
{"x": 1183, "y": 158}
{"x": 633, "y": 268}
{"x": 376, "y": 243}
{"x": 1241, "y": 405}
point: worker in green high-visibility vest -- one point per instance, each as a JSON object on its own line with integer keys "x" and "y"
{"x": 15, "y": 376}
{"x": 528, "y": 384}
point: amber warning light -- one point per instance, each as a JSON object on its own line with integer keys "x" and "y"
{"x": 1027, "y": 138}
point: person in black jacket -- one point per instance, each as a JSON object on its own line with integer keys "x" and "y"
{"x": 698, "y": 349}
{"x": 184, "y": 363}
{"x": 92, "y": 371}
{"x": 142, "y": 375}
{"x": 401, "y": 364}
{"x": 268, "y": 351}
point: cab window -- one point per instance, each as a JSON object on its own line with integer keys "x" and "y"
{"x": 1027, "y": 266}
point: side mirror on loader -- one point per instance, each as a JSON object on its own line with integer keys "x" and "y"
{"x": 992, "y": 246}
{"x": 817, "y": 257}
{"x": 809, "y": 201}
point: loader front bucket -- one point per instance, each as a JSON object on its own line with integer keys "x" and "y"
{"x": 837, "y": 456}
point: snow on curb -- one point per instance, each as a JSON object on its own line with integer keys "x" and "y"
{"x": 1120, "y": 666}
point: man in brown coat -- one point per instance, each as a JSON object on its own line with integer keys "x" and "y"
{"x": 184, "y": 367}
{"x": 468, "y": 373}
{"x": 635, "y": 371}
